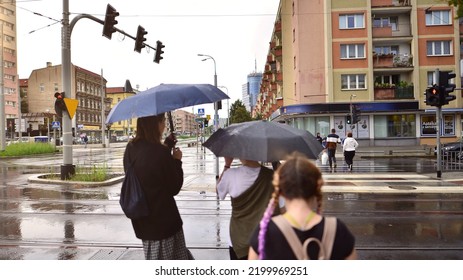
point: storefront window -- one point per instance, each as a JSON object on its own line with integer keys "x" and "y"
{"x": 428, "y": 125}
{"x": 313, "y": 124}
{"x": 395, "y": 126}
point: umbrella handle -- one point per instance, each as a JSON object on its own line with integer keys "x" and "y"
{"x": 171, "y": 122}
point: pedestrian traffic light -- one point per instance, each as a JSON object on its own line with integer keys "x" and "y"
{"x": 355, "y": 114}
{"x": 109, "y": 21}
{"x": 206, "y": 122}
{"x": 159, "y": 52}
{"x": 60, "y": 106}
{"x": 348, "y": 119}
{"x": 140, "y": 40}
{"x": 433, "y": 96}
{"x": 445, "y": 87}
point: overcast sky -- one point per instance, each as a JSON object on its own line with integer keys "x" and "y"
{"x": 236, "y": 33}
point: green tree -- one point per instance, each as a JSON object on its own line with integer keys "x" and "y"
{"x": 457, "y": 4}
{"x": 238, "y": 113}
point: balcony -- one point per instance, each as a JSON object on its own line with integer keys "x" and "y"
{"x": 392, "y": 60}
{"x": 389, "y": 3}
{"x": 389, "y": 92}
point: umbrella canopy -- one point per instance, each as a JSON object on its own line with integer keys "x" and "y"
{"x": 164, "y": 98}
{"x": 262, "y": 141}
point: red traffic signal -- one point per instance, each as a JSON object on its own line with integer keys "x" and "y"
{"x": 60, "y": 106}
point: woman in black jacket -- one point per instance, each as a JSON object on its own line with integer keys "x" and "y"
{"x": 158, "y": 167}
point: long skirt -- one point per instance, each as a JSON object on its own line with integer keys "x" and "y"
{"x": 171, "y": 248}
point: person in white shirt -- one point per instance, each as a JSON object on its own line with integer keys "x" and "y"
{"x": 348, "y": 147}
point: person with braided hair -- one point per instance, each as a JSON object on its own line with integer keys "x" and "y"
{"x": 299, "y": 182}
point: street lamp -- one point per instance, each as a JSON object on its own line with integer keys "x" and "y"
{"x": 216, "y": 111}
{"x": 228, "y": 106}
{"x": 48, "y": 125}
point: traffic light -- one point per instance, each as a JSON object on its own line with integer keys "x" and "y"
{"x": 159, "y": 52}
{"x": 60, "y": 106}
{"x": 433, "y": 96}
{"x": 355, "y": 115}
{"x": 206, "y": 122}
{"x": 445, "y": 87}
{"x": 140, "y": 40}
{"x": 348, "y": 119}
{"x": 109, "y": 21}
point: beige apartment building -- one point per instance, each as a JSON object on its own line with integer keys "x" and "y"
{"x": 116, "y": 94}
{"x": 9, "y": 59}
{"x": 378, "y": 55}
{"x": 87, "y": 88}
{"x": 184, "y": 122}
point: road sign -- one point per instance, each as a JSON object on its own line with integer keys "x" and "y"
{"x": 55, "y": 124}
{"x": 201, "y": 111}
{"x": 71, "y": 106}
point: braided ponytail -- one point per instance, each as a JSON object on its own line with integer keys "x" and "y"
{"x": 265, "y": 221}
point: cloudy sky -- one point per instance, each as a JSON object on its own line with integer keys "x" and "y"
{"x": 236, "y": 33}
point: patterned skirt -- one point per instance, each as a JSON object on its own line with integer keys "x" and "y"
{"x": 171, "y": 248}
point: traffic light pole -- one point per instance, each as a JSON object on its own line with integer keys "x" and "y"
{"x": 438, "y": 125}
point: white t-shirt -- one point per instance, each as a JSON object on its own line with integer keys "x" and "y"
{"x": 236, "y": 181}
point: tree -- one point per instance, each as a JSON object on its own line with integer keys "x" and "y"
{"x": 238, "y": 113}
{"x": 459, "y": 5}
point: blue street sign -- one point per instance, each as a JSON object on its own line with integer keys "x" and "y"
{"x": 200, "y": 111}
{"x": 55, "y": 124}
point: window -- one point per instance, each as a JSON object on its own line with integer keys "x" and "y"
{"x": 351, "y": 21}
{"x": 387, "y": 49}
{"x": 56, "y": 87}
{"x": 355, "y": 81}
{"x": 42, "y": 87}
{"x": 435, "y": 48}
{"x": 432, "y": 78}
{"x": 353, "y": 51}
{"x": 387, "y": 79}
{"x": 395, "y": 126}
{"x": 386, "y": 22}
{"x": 438, "y": 17}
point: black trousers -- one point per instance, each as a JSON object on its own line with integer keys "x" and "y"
{"x": 349, "y": 157}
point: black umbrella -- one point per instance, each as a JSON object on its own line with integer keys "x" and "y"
{"x": 262, "y": 141}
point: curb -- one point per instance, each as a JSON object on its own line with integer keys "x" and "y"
{"x": 36, "y": 179}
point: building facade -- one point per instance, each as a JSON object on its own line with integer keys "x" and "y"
{"x": 184, "y": 122}
{"x": 9, "y": 59}
{"x": 378, "y": 55}
{"x": 125, "y": 127}
{"x": 87, "y": 88}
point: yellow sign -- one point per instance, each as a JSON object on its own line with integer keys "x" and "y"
{"x": 208, "y": 117}
{"x": 71, "y": 106}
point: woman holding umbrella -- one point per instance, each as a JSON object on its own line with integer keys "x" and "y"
{"x": 158, "y": 168}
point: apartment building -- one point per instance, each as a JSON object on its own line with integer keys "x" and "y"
{"x": 184, "y": 122}
{"x": 116, "y": 94}
{"x": 87, "y": 88}
{"x": 378, "y": 55}
{"x": 9, "y": 59}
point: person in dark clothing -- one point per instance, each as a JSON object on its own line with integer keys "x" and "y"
{"x": 332, "y": 141}
{"x": 319, "y": 138}
{"x": 159, "y": 170}
{"x": 299, "y": 182}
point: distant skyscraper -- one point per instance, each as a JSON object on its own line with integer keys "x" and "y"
{"x": 254, "y": 80}
{"x": 246, "y": 97}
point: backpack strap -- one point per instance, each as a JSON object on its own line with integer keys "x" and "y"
{"x": 329, "y": 233}
{"x": 290, "y": 236}
{"x": 326, "y": 246}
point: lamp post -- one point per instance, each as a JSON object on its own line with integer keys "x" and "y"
{"x": 48, "y": 125}
{"x": 216, "y": 111}
{"x": 228, "y": 106}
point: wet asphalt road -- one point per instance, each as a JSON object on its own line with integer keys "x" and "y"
{"x": 395, "y": 207}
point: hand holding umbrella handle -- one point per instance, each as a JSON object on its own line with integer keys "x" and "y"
{"x": 170, "y": 141}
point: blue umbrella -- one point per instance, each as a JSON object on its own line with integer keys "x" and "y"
{"x": 164, "y": 98}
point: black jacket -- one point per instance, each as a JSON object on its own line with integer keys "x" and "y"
{"x": 161, "y": 177}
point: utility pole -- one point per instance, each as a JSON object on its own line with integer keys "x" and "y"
{"x": 438, "y": 123}
{"x": 2, "y": 97}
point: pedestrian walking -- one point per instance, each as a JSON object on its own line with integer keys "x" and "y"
{"x": 348, "y": 147}
{"x": 250, "y": 188}
{"x": 299, "y": 182}
{"x": 332, "y": 141}
{"x": 85, "y": 140}
{"x": 158, "y": 167}
{"x": 319, "y": 138}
